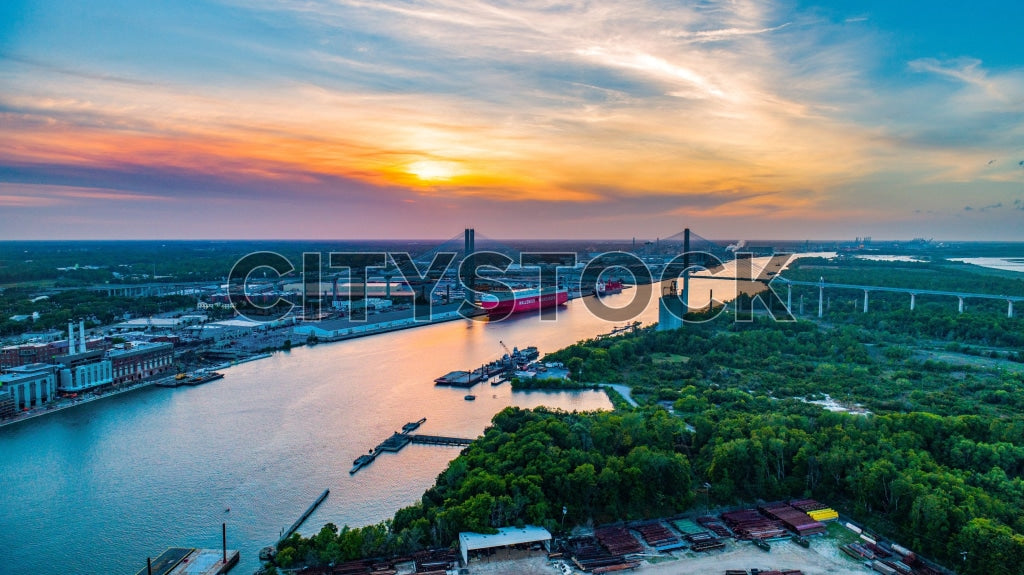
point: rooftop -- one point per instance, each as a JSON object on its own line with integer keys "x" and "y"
{"x": 185, "y": 561}
{"x": 139, "y": 347}
{"x": 504, "y": 537}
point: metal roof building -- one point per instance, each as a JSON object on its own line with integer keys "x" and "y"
{"x": 505, "y": 537}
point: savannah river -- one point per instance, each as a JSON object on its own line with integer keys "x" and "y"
{"x": 98, "y": 488}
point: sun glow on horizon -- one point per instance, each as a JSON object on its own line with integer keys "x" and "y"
{"x": 433, "y": 170}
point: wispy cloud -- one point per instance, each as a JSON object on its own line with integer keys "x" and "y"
{"x": 739, "y": 109}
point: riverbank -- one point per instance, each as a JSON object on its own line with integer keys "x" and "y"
{"x": 62, "y": 404}
{"x": 386, "y": 324}
{"x": 263, "y": 442}
{"x": 390, "y": 321}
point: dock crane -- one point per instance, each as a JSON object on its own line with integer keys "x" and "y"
{"x": 512, "y": 359}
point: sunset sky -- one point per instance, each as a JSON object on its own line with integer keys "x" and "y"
{"x": 414, "y": 119}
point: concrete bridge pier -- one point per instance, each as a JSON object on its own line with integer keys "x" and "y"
{"x": 821, "y": 300}
{"x": 802, "y": 304}
{"x": 913, "y": 297}
{"x": 1009, "y": 309}
{"x": 961, "y": 304}
{"x": 789, "y": 298}
{"x": 865, "y": 301}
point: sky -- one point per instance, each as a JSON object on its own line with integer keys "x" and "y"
{"x": 324, "y": 119}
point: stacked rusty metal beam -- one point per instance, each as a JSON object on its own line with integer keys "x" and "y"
{"x": 704, "y": 541}
{"x": 435, "y": 560}
{"x": 795, "y": 520}
{"x": 618, "y": 540}
{"x": 749, "y": 524}
{"x": 658, "y": 536}
{"x": 588, "y": 555}
{"x": 714, "y": 525}
{"x": 817, "y": 511}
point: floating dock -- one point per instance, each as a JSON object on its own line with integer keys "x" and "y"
{"x": 398, "y": 441}
{"x": 190, "y": 561}
{"x": 302, "y": 518}
{"x": 197, "y": 379}
{"x": 460, "y": 378}
{"x": 413, "y": 425}
{"x": 508, "y": 363}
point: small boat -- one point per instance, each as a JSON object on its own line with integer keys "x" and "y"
{"x": 801, "y": 541}
{"x": 470, "y": 397}
{"x": 762, "y": 545}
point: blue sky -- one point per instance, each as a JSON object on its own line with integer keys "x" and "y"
{"x": 345, "y": 119}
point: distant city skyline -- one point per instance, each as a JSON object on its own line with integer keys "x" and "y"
{"x": 332, "y": 119}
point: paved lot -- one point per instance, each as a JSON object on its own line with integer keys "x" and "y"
{"x": 823, "y": 558}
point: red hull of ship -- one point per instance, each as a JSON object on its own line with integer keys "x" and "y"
{"x": 524, "y": 303}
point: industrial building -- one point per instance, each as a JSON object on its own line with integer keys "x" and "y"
{"x": 138, "y": 360}
{"x": 505, "y": 537}
{"x": 229, "y": 329}
{"x": 24, "y": 354}
{"x": 81, "y": 368}
{"x": 27, "y": 386}
{"x": 83, "y": 371}
{"x": 159, "y": 323}
{"x": 335, "y": 329}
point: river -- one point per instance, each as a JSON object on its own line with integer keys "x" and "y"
{"x": 98, "y": 488}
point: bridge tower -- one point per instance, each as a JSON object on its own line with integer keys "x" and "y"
{"x": 672, "y": 307}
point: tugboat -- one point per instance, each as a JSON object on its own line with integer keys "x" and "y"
{"x": 608, "y": 287}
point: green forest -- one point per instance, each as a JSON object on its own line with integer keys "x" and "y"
{"x": 930, "y": 451}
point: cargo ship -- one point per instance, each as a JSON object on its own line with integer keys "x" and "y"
{"x": 609, "y": 287}
{"x": 503, "y": 304}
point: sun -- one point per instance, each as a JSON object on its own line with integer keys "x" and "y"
{"x": 433, "y": 170}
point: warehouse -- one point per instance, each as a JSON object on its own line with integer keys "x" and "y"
{"x": 505, "y": 537}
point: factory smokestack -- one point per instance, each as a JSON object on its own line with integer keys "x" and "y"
{"x": 71, "y": 338}
{"x": 81, "y": 336}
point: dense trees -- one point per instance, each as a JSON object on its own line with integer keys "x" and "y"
{"x": 96, "y": 308}
{"x": 527, "y": 466}
{"x": 934, "y": 457}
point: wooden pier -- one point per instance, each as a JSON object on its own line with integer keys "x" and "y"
{"x": 439, "y": 440}
{"x": 399, "y": 440}
{"x": 302, "y": 518}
